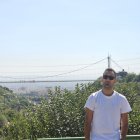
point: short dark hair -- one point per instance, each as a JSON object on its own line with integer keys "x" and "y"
{"x": 110, "y": 69}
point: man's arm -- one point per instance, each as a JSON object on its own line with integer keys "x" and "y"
{"x": 124, "y": 125}
{"x": 87, "y": 124}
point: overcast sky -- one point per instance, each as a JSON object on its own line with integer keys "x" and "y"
{"x": 65, "y": 39}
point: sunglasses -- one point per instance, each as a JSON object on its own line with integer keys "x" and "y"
{"x": 108, "y": 77}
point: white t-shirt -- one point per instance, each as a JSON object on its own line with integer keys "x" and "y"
{"x": 107, "y": 112}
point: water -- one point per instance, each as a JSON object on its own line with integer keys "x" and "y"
{"x": 39, "y": 86}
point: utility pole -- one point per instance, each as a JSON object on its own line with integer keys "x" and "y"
{"x": 108, "y": 58}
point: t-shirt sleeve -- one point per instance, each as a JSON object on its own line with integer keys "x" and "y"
{"x": 90, "y": 103}
{"x": 125, "y": 106}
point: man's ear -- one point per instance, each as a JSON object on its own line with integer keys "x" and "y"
{"x": 115, "y": 80}
{"x": 101, "y": 80}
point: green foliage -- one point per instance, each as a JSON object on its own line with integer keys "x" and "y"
{"x": 18, "y": 129}
{"x": 132, "y": 92}
{"x": 3, "y": 120}
{"x": 12, "y": 121}
{"x": 131, "y": 77}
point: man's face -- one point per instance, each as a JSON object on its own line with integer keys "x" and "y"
{"x": 108, "y": 79}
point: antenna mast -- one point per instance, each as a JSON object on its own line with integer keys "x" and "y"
{"x": 109, "y": 63}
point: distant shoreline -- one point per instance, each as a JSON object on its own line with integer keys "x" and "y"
{"x": 24, "y": 87}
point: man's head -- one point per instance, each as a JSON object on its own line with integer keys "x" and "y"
{"x": 109, "y": 78}
{"x": 111, "y": 71}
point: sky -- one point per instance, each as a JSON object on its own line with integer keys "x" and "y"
{"x": 68, "y": 39}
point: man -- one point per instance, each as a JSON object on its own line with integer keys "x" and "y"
{"x": 106, "y": 112}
